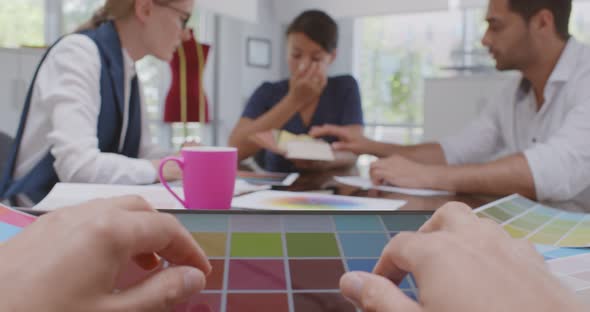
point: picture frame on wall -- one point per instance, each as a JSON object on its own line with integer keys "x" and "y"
{"x": 259, "y": 52}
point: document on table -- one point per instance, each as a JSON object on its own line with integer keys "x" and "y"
{"x": 68, "y": 194}
{"x": 279, "y": 200}
{"x": 367, "y": 184}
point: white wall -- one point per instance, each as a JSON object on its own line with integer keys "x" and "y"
{"x": 267, "y": 28}
{"x": 288, "y": 9}
{"x": 18, "y": 66}
{"x": 452, "y": 103}
{"x": 236, "y": 80}
{"x": 344, "y": 64}
{"x": 242, "y": 9}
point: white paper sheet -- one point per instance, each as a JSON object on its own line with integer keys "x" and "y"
{"x": 278, "y": 200}
{"x": 367, "y": 184}
{"x": 68, "y": 194}
{"x": 574, "y": 273}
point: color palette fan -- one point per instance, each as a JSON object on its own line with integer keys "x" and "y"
{"x": 278, "y": 200}
{"x": 523, "y": 218}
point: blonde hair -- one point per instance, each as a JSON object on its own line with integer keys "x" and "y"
{"x": 113, "y": 10}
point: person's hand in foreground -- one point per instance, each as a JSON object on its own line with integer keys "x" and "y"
{"x": 69, "y": 260}
{"x": 461, "y": 264}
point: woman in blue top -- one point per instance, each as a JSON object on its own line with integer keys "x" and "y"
{"x": 309, "y": 98}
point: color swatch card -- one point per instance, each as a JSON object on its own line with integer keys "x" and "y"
{"x": 294, "y": 146}
{"x": 12, "y": 222}
{"x": 574, "y": 272}
{"x": 526, "y": 219}
{"x": 277, "y": 200}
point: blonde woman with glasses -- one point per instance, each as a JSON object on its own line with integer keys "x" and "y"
{"x": 84, "y": 119}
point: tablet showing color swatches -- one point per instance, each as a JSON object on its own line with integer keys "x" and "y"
{"x": 523, "y": 218}
{"x": 293, "y": 262}
{"x": 289, "y": 263}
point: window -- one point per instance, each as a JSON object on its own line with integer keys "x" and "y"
{"x": 580, "y": 21}
{"x": 22, "y": 23}
{"x": 475, "y": 55}
{"x": 397, "y": 52}
{"x": 77, "y": 12}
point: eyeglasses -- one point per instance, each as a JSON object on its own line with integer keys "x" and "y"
{"x": 185, "y": 15}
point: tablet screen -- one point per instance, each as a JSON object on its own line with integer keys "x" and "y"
{"x": 289, "y": 261}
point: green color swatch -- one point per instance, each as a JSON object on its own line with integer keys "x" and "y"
{"x": 312, "y": 245}
{"x": 256, "y": 245}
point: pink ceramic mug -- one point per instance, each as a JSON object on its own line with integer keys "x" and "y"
{"x": 209, "y": 176}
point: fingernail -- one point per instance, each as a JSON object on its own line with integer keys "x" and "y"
{"x": 193, "y": 279}
{"x": 353, "y": 284}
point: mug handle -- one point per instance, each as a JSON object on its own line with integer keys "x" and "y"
{"x": 180, "y": 162}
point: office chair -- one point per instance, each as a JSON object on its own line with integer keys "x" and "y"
{"x": 5, "y": 145}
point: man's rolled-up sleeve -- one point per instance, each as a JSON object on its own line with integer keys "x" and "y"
{"x": 561, "y": 165}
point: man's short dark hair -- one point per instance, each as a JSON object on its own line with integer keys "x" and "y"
{"x": 318, "y": 26}
{"x": 561, "y": 10}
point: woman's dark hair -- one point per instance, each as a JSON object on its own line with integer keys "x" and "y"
{"x": 318, "y": 26}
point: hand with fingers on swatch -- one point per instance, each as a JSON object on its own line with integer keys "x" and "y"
{"x": 70, "y": 260}
{"x": 461, "y": 263}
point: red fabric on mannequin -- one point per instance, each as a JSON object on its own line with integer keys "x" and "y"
{"x": 189, "y": 56}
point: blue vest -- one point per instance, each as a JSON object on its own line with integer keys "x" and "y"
{"x": 41, "y": 179}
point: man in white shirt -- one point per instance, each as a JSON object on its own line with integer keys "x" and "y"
{"x": 540, "y": 124}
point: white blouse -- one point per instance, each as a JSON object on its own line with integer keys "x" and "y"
{"x": 64, "y": 115}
